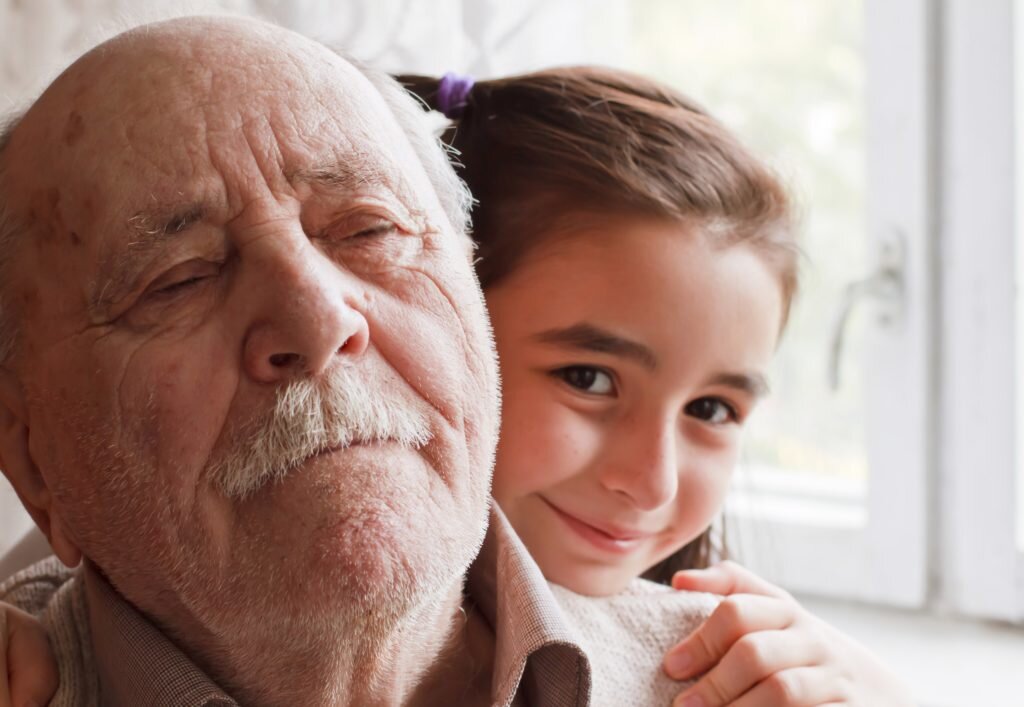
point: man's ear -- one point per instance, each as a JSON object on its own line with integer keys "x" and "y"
{"x": 20, "y": 468}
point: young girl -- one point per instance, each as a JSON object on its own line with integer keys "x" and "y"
{"x": 639, "y": 266}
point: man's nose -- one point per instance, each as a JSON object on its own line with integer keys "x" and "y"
{"x": 646, "y": 469}
{"x": 308, "y": 318}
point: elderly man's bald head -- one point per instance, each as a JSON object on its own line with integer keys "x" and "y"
{"x": 254, "y": 382}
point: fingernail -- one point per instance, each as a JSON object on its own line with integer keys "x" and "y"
{"x": 678, "y": 663}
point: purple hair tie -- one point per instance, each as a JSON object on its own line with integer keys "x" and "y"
{"x": 453, "y": 94}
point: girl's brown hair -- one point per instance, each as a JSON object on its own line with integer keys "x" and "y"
{"x": 538, "y": 148}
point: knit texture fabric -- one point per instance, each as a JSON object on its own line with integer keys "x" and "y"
{"x": 45, "y": 591}
{"x": 627, "y": 635}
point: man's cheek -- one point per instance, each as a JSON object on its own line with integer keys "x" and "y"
{"x": 421, "y": 339}
{"x": 179, "y": 403}
{"x": 479, "y": 356}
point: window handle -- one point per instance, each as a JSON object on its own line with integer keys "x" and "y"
{"x": 884, "y": 287}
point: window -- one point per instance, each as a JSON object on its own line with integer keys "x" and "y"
{"x": 901, "y": 123}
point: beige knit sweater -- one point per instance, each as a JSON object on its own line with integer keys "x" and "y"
{"x": 626, "y": 636}
{"x": 50, "y": 591}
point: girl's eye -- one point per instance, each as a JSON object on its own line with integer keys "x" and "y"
{"x": 712, "y": 410}
{"x": 587, "y": 379}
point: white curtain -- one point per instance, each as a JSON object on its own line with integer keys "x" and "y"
{"x": 39, "y": 38}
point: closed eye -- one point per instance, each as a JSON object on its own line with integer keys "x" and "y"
{"x": 182, "y": 278}
{"x": 175, "y": 287}
{"x": 384, "y": 228}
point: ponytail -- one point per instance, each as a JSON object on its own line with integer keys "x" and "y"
{"x": 449, "y": 95}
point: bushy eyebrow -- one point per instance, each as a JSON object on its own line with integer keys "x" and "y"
{"x": 163, "y": 222}
{"x": 357, "y": 174}
{"x": 149, "y": 230}
{"x": 361, "y": 176}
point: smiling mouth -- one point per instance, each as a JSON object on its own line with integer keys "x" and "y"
{"x": 608, "y": 539}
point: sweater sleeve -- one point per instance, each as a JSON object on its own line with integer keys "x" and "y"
{"x": 32, "y": 589}
{"x": 49, "y": 591}
{"x": 626, "y": 636}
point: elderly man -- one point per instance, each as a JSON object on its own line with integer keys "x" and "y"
{"x": 248, "y": 378}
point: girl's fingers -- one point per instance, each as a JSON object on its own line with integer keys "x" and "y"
{"x": 732, "y": 619}
{"x": 726, "y": 578}
{"x": 755, "y": 658}
{"x": 799, "y": 687}
{"x": 844, "y": 672}
{"x": 33, "y": 677}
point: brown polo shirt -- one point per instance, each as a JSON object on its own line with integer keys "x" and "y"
{"x": 105, "y": 647}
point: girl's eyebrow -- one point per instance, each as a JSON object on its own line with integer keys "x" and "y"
{"x": 754, "y": 384}
{"x": 588, "y": 337}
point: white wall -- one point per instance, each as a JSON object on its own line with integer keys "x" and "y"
{"x": 14, "y": 522}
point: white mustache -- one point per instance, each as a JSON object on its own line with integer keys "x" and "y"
{"x": 309, "y": 417}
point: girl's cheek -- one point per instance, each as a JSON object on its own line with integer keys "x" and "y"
{"x": 543, "y": 446}
{"x": 712, "y": 480}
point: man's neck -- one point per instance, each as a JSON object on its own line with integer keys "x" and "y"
{"x": 433, "y": 652}
{"x": 440, "y": 653}
{"x": 463, "y": 673}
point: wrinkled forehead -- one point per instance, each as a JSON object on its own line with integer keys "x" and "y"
{"x": 125, "y": 128}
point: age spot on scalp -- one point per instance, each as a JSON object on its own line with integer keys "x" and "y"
{"x": 44, "y": 212}
{"x": 56, "y": 219}
{"x": 29, "y": 297}
{"x": 74, "y": 129}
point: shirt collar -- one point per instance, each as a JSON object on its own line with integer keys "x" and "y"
{"x": 537, "y": 658}
{"x": 137, "y": 664}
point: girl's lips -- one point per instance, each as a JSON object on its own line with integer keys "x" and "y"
{"x": 617, "y": 542}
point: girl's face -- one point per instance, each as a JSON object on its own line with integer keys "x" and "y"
{"x": 631, "y": 354}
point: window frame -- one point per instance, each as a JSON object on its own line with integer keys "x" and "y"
{"x": 982, "y": 567}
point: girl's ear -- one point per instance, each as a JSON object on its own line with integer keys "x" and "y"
{"x": 20, "y": 468}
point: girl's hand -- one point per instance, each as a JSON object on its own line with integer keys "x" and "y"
{"x": 28, "y": 672}
{"x": 760, "y": 648}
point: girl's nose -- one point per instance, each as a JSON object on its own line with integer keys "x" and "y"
{"x": 646, "y": 468}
